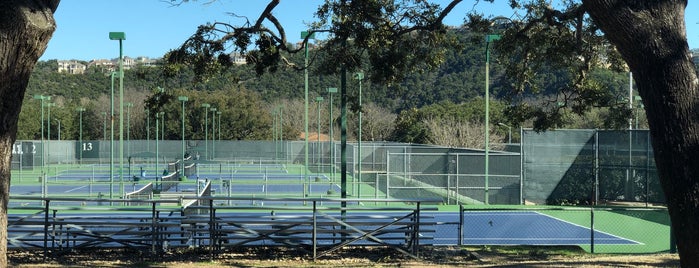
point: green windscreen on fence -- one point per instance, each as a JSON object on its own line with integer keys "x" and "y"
{"x": 569, "y": 167}
{"x": 583, "y": 166}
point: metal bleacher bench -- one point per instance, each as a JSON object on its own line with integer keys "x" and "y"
{"x": 156, "y": 225}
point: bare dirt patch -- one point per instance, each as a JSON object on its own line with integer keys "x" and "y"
{"x": 348, "y": 257}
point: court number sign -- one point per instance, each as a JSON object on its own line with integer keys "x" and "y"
{"x": 23, "y": 148}
{"x": 87, "y": 149}
{"x": 23, "y": 154}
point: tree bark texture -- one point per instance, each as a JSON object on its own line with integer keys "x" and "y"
{"x": 25, "y": 29}
{"x": 651, "y": 36}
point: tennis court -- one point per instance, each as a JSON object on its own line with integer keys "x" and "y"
{"x": 530, "y": 228}
{"x": 388, "y": 171}
{"x": 229, "y": 179}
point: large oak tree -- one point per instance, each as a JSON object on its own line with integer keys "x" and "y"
{"x": 25, "y": 29}
{"x": 651, "y": 37}
{"x": 648, "y": 38}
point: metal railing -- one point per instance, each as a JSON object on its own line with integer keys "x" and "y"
{"x": 324, "y": 226}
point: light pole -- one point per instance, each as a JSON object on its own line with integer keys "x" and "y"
{"x": 81, "y": 110}
{"x": 639, "y": 106}
{"x": 331, "y": 90}
{"x": 488, "y": 39}
{"x": 183, "y": 99}
{"x": 206, "y": 128}
{"x": 59, "y": 129}
{"x": 104, "y": 126}
{"x": 148, "y": 129}
{"x": 219, "y": 125}
{"x": 111, "y": 139}
{"x": 162, "y": 127}
{"x": 275, "y": 133}
{"x": 121, "y": 36}
{"x": 157, "y": 150}
{"x": 42, "y": 98}
{"x": 281, "y": 129}
{"x": 305, "y": 35}
{"x": 48, "y": 133}
{"x": 631, "y": 99}
{"x": 360, "y": 77}
{"x": 319, "y": 99}
{"x": 509, "y": 132}
{"x": 128, "y": 128}
{"x": 628, "y": 189}
{"x": 213, "y": 134}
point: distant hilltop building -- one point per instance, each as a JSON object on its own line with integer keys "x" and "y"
{"x": 113, "y": 64}
{"x": 145, "y": 61}
{"x": 71, "y": 67}
{"x": 238, "y": 59}
{"x": 104, "y": 65}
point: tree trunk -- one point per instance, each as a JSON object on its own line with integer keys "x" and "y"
{"x": 651, "y": 36}
{"x": 25, "y": 29}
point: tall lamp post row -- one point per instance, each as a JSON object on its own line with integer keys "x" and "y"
{"x": 118, "y": 36}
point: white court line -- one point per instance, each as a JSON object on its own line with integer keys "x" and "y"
{"x": 588, "y": 228}
{"x": 75, "y": 189}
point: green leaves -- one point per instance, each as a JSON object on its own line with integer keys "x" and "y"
{"x": 388, "y": 39}
{"x": 563, "y": 42}
{"x": 397, "y": 37}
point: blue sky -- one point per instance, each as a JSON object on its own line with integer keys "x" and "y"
{"x": 153, "y": 27}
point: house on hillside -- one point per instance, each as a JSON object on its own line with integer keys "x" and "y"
{"x": 112, "y": 65}
{"x": 103, "y": 64}
{"x": 238, "y": 59}
{"x": 145, "y": 61}
{"x": 71, "y": 67}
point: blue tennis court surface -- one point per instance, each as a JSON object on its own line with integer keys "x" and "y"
{"x": 527, "y": 228}
{"x": 286, "y": 188}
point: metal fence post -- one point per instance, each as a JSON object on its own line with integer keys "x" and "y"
{"x": 153, "y": 234}
{"x": 46, "y": 226}
{"x": 314, "y": 234}
{"x": 212, "y": 238}
{"x": 416, "y": 234}
{"x": 461, "y": 225}
{"x": 592, "y": 229}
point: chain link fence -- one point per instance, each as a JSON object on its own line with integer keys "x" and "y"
{"x": 562, "y": 167}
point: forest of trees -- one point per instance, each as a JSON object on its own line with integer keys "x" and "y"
{"x": 443, "y": 106}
